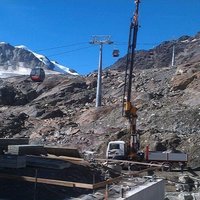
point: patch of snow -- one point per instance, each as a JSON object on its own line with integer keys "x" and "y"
{"x": 194, "y": 40}
{"x": 51, "y": 72}
{"x": 18, "y": 70}
{"x": 23, "y": 71}
{"x": 3, "y": 43}
{"x": 185, "y": 41}
{"x": 22, "y": 47}
{"x": 42, "y": 58}
{"x": 65, "y": 69}
{"x": 14, "y": 72}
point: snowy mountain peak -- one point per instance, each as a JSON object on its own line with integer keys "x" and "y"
{"x": 14, "y": 58}
{"x": 42, "y": 58}
{"x": 22, "y": 47}
{"x": 57, "y": 67}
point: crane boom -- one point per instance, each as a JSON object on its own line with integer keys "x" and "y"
{"x": 129, "y": 110}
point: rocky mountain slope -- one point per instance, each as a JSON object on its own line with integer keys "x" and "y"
{"x": 187, "y": 49}
{"x": 61, "y": 110}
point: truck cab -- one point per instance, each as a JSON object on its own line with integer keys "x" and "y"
{"x": 116, "y": 150}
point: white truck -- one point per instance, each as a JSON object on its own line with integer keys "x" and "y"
{"x": 118, "y": 150}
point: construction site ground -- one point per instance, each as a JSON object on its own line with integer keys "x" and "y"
{"x": 59, "y": 173}
{"x": 23, "y": 190}
{"x": 15, "y": 189}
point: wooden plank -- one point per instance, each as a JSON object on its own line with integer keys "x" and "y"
{"x": 130, "y": 162}
{"x": 78, "y": 161}
{"x": 47, "y": 181}
{"x": 61, "y": 182}
{"x": 107, "y": 182}
{"x": 141, "y": 171}
{"x": 63, "y": 151}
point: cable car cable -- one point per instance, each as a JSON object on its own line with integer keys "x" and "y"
{"x": 63, "y": 46}
{"x": 70, "y": 51}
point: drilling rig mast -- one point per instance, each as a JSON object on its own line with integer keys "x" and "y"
{"x": 129, "y": 110}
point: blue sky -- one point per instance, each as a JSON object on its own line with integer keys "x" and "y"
{"x": 62, "y": 29}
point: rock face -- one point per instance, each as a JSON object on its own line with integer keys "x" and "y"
{"x": 61, "y": 110}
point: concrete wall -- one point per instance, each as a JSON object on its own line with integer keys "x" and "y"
{"x": 148, "y": 191}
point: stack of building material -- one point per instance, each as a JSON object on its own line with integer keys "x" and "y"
{"x": 63, "y": 151}
{"x": 5, "y": 142}
{"x": 26, "y": 150}
{"x": 38, "y": 161}
{"x": 74, "y": 160}
{"x": 12, "y": 161}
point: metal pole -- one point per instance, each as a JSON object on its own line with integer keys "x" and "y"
{"x": 99, "y": 80}
{"x": 101, "y": 39}
{"x": 93, "y": 182}
{"x": 106, "y": 193}
{"x": 35, "y": 185}
{"x": 173, "y": 55}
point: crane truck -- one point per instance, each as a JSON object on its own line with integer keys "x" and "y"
{"x": 119, "y": 149}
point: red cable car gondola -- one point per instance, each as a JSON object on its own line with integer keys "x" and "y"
{"x": 37, "y": 74}
{"x": 115, "y": 53}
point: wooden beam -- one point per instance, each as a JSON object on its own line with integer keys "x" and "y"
{"x": 63, "y": 151}
{"x": 107, "y": 182}
{"x": 48, "y": 181}
{"x": 78, "y": 161}
{"x": 129, "y": 162}
{"x": 141, "y": 171}
{"x": 61, "y": 182}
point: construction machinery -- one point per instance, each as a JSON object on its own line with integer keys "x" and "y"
{"x": 118, "y": 148}
{"x": 129, "y": 110}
